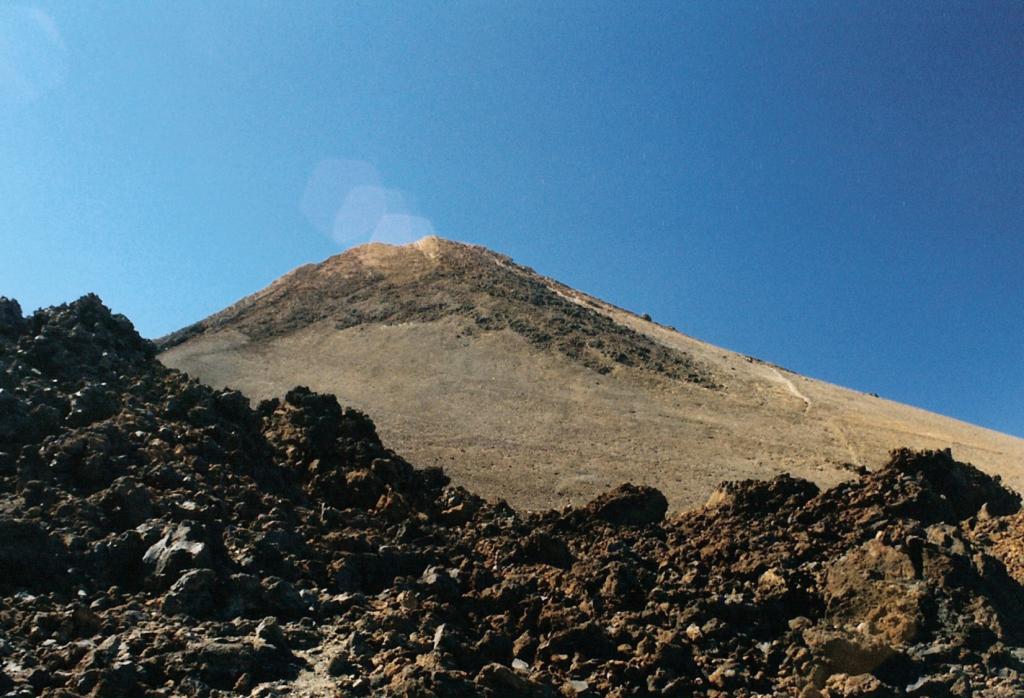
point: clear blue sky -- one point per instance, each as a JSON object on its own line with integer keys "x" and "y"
{"x": 837, "y": 187}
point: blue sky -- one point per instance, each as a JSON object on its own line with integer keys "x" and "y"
{"x": 836, "y": 187}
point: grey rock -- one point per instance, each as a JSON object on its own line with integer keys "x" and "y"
{"x": 181, "y": 548}
{"x": 192, "y": 594}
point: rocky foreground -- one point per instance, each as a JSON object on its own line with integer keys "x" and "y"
{"x": 158, "y": 537}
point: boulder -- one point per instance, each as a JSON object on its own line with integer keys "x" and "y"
{"x": 880, "y": 588}
{"x": 545, "y": 548}
{"x": 221, "y": 662}
{"x": 194, "y": 594}
{"x": 183, "y": 547}
{"x": 630, "y": 505}
{"x": 11, "y": 321}
{"x": 30, "y": 557}
{"x": 440, "y": 582}
{"x": 503, "y": 681}
{"x": 857, "y": 686}
{"x": 849, "y": 652}
{"x": 281, "y": 598}
{"x": 92, "y": 403}
{"x": 588, "y": 639}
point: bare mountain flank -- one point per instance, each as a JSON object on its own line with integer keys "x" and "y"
{"x": 434, "y": 279}
{"x": 526, "y": 389}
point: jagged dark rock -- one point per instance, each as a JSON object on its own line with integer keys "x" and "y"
{"x": 158, "y": 537}
{"x": 630, "y": 505}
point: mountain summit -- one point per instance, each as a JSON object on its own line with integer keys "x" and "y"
{"x": 433, "y": 280}
{"x": 526, "y": 389}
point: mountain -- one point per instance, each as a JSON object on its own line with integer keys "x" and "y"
{"x": 526, "y": 389}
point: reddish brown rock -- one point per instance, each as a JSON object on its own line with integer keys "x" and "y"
{"x": 187, "y": 544}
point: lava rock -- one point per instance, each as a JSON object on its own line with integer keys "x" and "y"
{"x": 630, "y": 505}
{"x": 91, "y": 404}
{"x": 546, "y": 549}
{"x": 11, "y": 320}
{"x": 193, "y": 594}
{"x": 29, "y": 556}
{"x": 181, "y": 541}
{"x": 183, "y": 547}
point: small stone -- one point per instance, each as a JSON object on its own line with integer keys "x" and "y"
{"x": 439, "y": 582}
{"x": 799, "y": 623}
{"x": 270, "y": 631}
{"x": 504, "y": 681}
{"x": 439, "y": 637}
{"x": 339, "y": 665}
{"x": 408, "y": 601}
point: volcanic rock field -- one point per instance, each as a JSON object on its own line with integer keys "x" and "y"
{"x": 162, "y": 538}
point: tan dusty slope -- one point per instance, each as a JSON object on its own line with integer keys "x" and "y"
{"x": 523, "y": 388}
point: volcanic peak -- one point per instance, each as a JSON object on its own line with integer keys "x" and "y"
{"x": 434, "y": 279}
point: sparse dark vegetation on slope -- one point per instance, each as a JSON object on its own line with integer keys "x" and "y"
{"x": 158, "y": 537}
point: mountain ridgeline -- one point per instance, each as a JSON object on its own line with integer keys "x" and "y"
{"x": 436, "y": 280}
